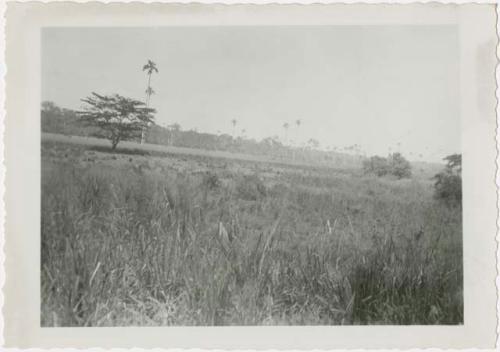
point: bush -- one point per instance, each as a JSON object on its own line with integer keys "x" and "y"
{"x": 395, "y": 165}
{"x": 211, "y": 181}
{"x": 399, "y": 166}
{"x": 448, "y": 183}
{"x": 251, "y": 187}
{"x": 376, "y": 165}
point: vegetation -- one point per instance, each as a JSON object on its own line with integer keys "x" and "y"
{"x": 448, "y": 183}
{"x": 148, "y": 240}
{"x": 399, "y": 166}
{"x": 376, "y": 165}
{"x": 395, "y": 164}
{"x": 115, "y": 118}
{"x": 65, "y": 121}
{"x": 150, "y": 68}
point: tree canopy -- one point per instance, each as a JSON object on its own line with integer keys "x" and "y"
{"x": 117, "y": 118}
{"x": 395, "y": 164}
{"x": 448, "y": 183}
{"x": 150, "y": 67}
{"x": 454, "y": 163}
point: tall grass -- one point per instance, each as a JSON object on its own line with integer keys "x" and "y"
{"x": 129, "y": 245}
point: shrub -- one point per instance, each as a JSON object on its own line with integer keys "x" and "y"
{"x": 395, "y": 164}
{"x": 251, "y": 187}
{"x": 399, "y": 166}
{"x": 211, "y": 181}
{"x": 448, "y": 183}
{"x": 376, "y": 165}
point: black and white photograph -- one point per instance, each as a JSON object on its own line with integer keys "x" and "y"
{"x": 250, "y": 176}
{"x": 253, "y": 175}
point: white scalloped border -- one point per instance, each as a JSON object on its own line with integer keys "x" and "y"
{"x": 497, "y": 180}
{"x": 3, "y": 70}
{"x": 3, "y": 7}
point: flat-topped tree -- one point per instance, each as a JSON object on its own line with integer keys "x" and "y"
{"x": 116, "y": 117}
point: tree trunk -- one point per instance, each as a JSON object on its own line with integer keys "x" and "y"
{"x": 143, "y": 132}
{"x": 114, "y": 143}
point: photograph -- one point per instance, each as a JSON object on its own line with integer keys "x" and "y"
{"x": 251, "y": 175}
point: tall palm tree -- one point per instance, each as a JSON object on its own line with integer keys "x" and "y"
{"x": 298, "y": 123}
{"x": 150, "y": 68}
{"x": 149, "y": 92}
{"x": 286, "y": 125}
{"x": 234, "y": 122}
{"x": 174, "y": 130}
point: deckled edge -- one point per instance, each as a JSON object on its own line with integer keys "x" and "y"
{"x": 3, "y": 70}
{"x": 269, "y": 2}
{"x": 497, "y": 175}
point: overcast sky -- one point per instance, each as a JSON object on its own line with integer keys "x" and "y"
{"x": 375, "y": 86}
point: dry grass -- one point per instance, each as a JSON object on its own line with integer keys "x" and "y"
{"x": 142, "y": 240}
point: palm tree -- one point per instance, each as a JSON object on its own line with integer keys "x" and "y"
{"x": 399, "y": 147}
{"x": 286, "y": 125}
{"x": 149, "y": 92}
{"x": 175, "y": 127}
{"x": 313, "y": 143}
{"x": 298, "y": 123}
{"x": 150, "y": 68}
{"x": 174, "y": 130}
{"x": 234, "y": 122}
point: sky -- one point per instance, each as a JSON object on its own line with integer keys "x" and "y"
{"x": 384, "y": 88}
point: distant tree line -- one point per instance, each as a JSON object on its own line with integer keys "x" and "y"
{"x": 55, "y": 119}
{"x": 64, "y": 121}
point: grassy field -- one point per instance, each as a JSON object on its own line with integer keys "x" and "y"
{"x": 145, "y": 238}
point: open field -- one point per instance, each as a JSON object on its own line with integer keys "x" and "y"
{"x": 349, "y": 162}
{"x": 138, "y": 238}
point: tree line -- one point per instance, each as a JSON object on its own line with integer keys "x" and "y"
{"x": 116, "y": 118}
{"x": 117, "y": 121}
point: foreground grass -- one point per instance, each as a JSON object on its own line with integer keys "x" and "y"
{"x": 145, "y": 241}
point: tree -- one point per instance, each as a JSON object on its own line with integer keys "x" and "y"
{"x": 286, "y": 125}
{"x": 117, "y": 118}
{"x": 55, "y": 119}
{"x": 298, "y": 123}
{"x": 376, "y": 165}
{"x": 313, "y": 143}
{"x": 399, "y": 166}
{"x": 395, "y": 165}
{"x": 174, "y": 127}
{"x": 150, "y": 68}
{"x": 149, "y": 92}
{"x": 50, "y": 107}
{"x": 234, "y": 122}
{"x": 174, "y": 131}
{"x": 448, "y": 183}
{"x": 454, "y": 164}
